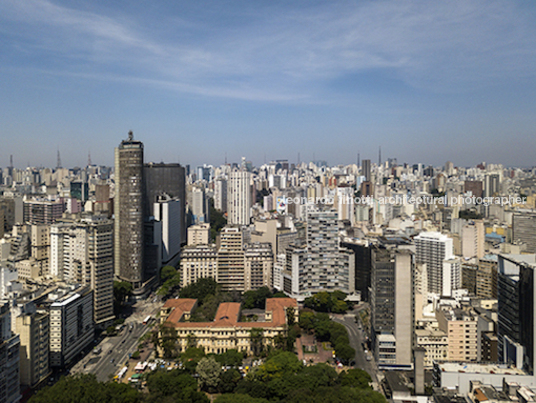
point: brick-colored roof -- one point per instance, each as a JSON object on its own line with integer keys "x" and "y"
{"x": 178, "y": 307}
{"x": 228, "y": 313}
{"x": 278, "y": 307}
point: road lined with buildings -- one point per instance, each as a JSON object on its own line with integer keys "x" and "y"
{"x": 115, "y": 350}
{"x": 357, "y": 340}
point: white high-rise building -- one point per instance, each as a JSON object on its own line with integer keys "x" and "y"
{"x": 220, "y": 195}
{"x": 169, "y": 213}
{"x": 323, "y": 265}
{"x": 433, "y": 249}
{"x": 452, "y": 276}
{"x": 345, "y": 203}
{"x": 199, "y": 205}
{"x": 82, "y": 252}
{"x": 473, "y": 235}
{"x": 239, "y": 198}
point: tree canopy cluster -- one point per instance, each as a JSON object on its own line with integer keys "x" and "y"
{"x": 171, "y": 279}
{"x": 257, "y": 298}
{"x": 328, "y": 302}
{"x": 325, "y": 329}
{"x": 122, "y": 290}
{"x": 217, "y": 220}
{"x": 282, "y": 378}
{"x": 209, "y": 296}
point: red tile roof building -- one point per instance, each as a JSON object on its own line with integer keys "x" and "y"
{"x": 226, "y": 331}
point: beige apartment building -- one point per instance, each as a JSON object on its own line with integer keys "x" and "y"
{"x": 34, "y": 331}
{"x": 231, "y": 259}
{"x": 435, "y": 342}
{"x": 460, "y": 325}
{"x": 198, "y": 261}
{"x": 258, "y": 265}
{"x": 199, "y": 234}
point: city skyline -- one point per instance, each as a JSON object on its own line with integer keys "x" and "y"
{"x": 196, "y": 82}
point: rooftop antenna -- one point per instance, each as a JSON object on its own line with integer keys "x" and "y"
{"x": 380, "y": 156}
{"x": 58, "y": 163}
{"x": 89, "y": 158}
{"x": 11, "y": 161}
{"x": 130, "y": 136}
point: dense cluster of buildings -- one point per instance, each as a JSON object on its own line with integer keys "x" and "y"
{"x": 444, "y": 271}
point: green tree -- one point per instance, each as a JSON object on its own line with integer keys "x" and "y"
{"x": 282, "y": 364}
{"x": 253, "y": 388}
{"x": 318, "y": 375}
{"x": 231, "y": 357}
{"x": 86, "y": 388}
{"x": 122, "y": 290}
{"x": 191, "y": 341}
{"x": 167, "y": 272}
{"x": 345, "y": 353}
{"x": 168, "y": 341}
{"x": 209, "y": 371}
{"x": 191, "y": 357}
{"x": 173, "y": 386}
{"x": 200, "y": 289}
{"x": 256, "y": 338}
{"x": 356, "y": 378}
{"x": 171, "y": 281}
{"x": 307, "y": 321}
{"x": 239, "y": 398}
{"x": 217, "y": 220}
{"x": 339, "y": 306}
{"x": 291, "y": 317}
{"x": 229, "y": 379}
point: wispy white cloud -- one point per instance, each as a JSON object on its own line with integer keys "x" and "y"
{"x": 283, "y": 53}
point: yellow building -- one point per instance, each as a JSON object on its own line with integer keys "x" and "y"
{"x": 226, "y": 331}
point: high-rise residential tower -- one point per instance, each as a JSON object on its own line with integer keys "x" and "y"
{"x": 434, "y": 249}
{"x": 82, "y": 252}
{"x": 239, "y": 198}
{"x": 392, "y": 304}
{"x": 323, "y": 265}
{"x": 128, "y": 210}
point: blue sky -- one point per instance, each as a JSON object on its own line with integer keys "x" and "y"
{"x": 429, "y": 81}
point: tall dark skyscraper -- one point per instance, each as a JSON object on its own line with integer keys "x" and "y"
{"x": 366, "y": 169}
{"x": 163, "y": 179}
{"x": 516, "y": 296}
{"x": 128, "y": 209}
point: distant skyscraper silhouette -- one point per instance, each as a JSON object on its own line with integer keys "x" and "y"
{"x": 366, "y": 169}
